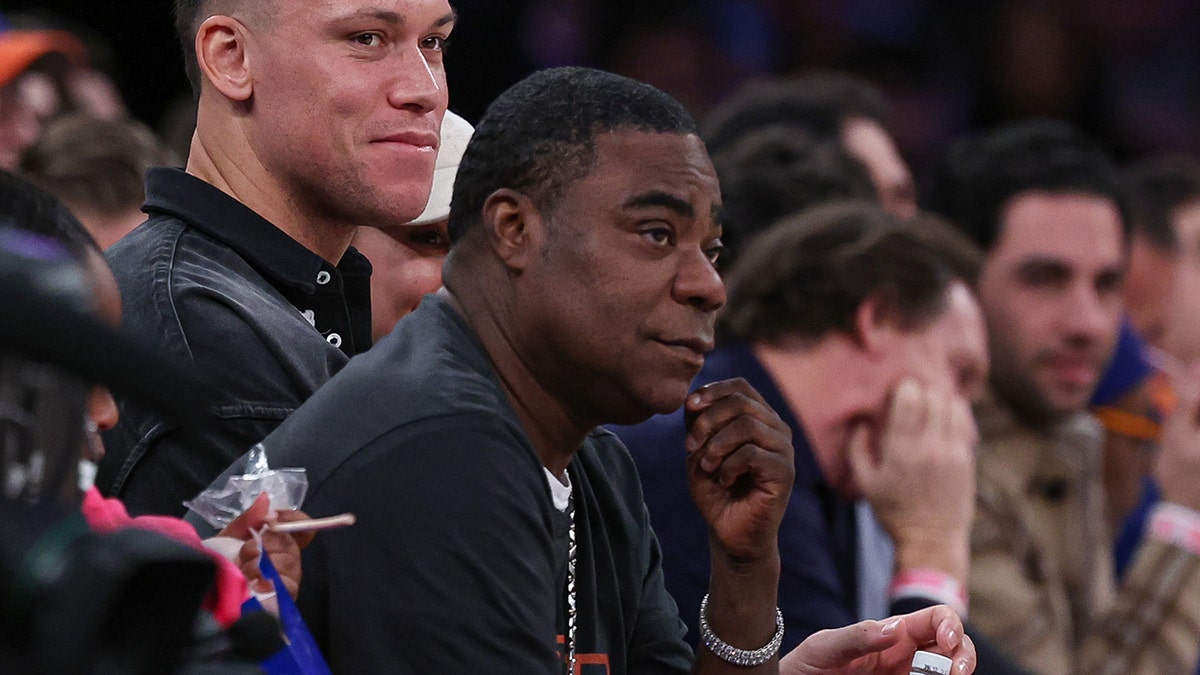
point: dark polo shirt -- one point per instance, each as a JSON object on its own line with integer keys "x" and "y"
{"x": 258, "y": 316}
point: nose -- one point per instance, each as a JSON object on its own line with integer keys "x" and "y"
{"x": 417, "y": 84}
{"x": 698, "y": 284}
{"x": 101, "y": 408}
{"x": 1090, "y": 315}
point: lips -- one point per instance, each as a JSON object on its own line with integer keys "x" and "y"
{"x": 1074, "y": 371}
{"x": 417, "y": 139}
{"x": 691, "y": 350}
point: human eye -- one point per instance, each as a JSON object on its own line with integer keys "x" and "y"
{"x": 659, "y": 235}
{"x": 1110, "y": 282}
{"x": 713, "y": 252}
{"x": 435, "y": 43}
{"x": 368, "y": 39}
{"x": 429, "y": 238}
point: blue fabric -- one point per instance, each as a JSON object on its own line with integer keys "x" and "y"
{"x": 1133, "y": 529}
{"x": 1129, "y": 367}
{"x": 816, "y": 586}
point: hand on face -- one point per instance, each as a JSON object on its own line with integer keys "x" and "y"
{"x": 920, "y": 475}
{"x": 883, "y": 647}
{"x": 1177, "y": 467}
{"x": 282, "y": 549}
{"x": 740, "y": 467}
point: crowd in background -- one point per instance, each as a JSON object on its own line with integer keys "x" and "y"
{"x": 1123, "y": 71}
{"x": 994, "y": 116}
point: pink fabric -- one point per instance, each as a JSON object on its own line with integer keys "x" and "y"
{"x": 230, "y": 591}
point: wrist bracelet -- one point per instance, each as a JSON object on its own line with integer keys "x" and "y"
{"x": 730, "y": 654}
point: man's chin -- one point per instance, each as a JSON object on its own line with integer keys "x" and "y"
{"x": 1066, "y": 401}
{"x": 661, "y": 403}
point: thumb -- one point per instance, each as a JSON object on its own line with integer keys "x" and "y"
{"x": 836, "y": 648}
{"x": 251, "y": 519}
{"x": 863, "y": 466}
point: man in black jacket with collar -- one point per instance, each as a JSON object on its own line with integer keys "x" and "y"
{"x": 312, "y": 120}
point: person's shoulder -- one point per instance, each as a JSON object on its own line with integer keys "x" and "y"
{"x": 428, "y": 374}
{"x": 434, "y": 361}
{"x": 151, "y": 243}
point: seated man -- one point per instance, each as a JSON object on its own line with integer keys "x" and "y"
{"x": 870, "y": 356}
{"x": 1047, "y": 206}
{"x": 499, "y": 530}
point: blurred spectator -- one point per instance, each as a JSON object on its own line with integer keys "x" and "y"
{"x": 825, "y": 106}
{"x": 145, "y": 618}
{"x": 1047, "y": 204}
{"x": 1163, "y": 190}
{"x": 770, "y": 173}
{"x": 97, "y": 168}
{"x": 33, "y": 67}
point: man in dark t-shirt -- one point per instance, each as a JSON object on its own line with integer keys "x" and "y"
{"x": 499, "y": 530}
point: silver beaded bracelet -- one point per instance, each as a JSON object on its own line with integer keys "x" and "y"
{"x": 730, "y": 654}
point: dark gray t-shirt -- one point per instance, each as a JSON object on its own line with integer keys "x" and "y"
{"x": 457, "y": 563}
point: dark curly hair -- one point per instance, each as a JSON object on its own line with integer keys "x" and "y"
{"x": 807, "y": 276}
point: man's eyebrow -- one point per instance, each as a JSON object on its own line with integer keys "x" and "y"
{"x": 1038, "y": 264}
{"x": 663, "y": 199}
{"x": 719, "y": 215}
{"x": 395, "y": 18}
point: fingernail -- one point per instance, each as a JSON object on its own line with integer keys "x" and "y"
{"x": 708, "y": 464}
{"x": 962, "y": 666}
{"x": 889, "y": 627}
{"x": 690, "y": 443}
{"x": 953, "y": 637}
{"x": 694, "y": 399}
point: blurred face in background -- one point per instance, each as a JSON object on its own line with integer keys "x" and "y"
{"x": 1053, "y": 305}
{"x": 406, "y": 264}
{"x": 1181, "y": 332}
{"x": 871, "y": 144}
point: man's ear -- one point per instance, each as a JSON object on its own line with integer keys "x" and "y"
{"x": 222, "y": 57}
{"x": 875, "y": 324}
{"x": 514, "y": 226}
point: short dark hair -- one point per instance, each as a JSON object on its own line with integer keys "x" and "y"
{"x": 539, "y": 135}
{"x": 774, "y": 172}
{"x": 807, "y": 276}
{"x": 29, "y": 208}
{"x": 99, "y": 163}
{"x": 187, "y": 20}
{"x": 188, "y": 16}
{"x": 1158, "y": 187}
{"x": 978, "y": 177}
{"x": 817, "y": 102}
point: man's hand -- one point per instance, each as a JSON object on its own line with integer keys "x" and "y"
{"x": 883, "y": 647}
{"x": 740, "y": 467}
{"x": 920, "y": 477}
{"x": 1177, "y": 468}
{"x": 282, "y": 549}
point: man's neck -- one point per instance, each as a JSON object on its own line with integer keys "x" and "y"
{"x": 553, "y": 430}
{"x": 326, "y": 238}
